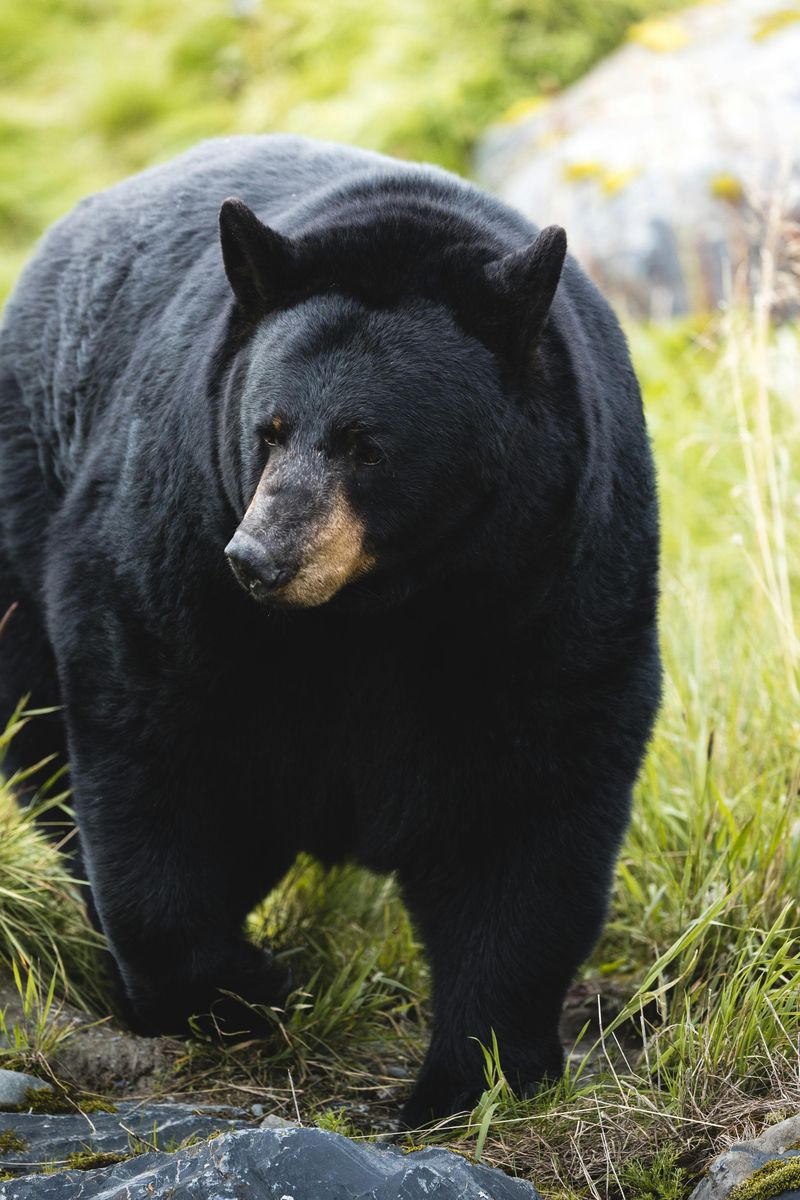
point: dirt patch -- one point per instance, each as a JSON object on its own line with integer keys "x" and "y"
{"x": 97, "y": 1056}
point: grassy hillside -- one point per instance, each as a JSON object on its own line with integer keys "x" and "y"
{"x": 91, "y": 91}
{"x": 695, "y": 978}
{"x": 690, "y": 1000}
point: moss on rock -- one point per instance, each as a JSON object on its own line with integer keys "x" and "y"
{"x": 58, "y": 1103}
{"x": 10, "y": 1141}
{"x": 778, "y": 1175}
{"x": 90, "y": 1160}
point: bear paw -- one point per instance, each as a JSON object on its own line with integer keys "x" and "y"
{"x": 233, "y": 997}
{"x": 442, "y": 1090}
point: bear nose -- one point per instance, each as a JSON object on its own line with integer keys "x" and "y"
{"x": 256, "y": 569}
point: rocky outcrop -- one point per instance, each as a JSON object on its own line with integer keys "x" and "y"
{"x": 764, "y": 1167}
{"x": 673, "y": 160}
{"x": 286, "y": 1164}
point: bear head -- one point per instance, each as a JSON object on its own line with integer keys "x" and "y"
{"x": 379, "y": 404}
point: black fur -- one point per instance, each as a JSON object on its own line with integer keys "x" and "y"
{"x": 470, "y": 713}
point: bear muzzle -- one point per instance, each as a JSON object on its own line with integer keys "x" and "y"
{"x": 304, "y": 569}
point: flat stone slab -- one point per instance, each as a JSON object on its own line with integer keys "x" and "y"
{"x": 280, "y": 1164}
{"x": 52, "y": 1138}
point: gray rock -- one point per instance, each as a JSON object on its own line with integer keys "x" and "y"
{"x": 397, "y": 1071}
{"x": 273, "y": 1121}
{"x": 14, "y": 1087}
{"x": 285, "y": 1164}
{"x": 662, "y": 163}
{"x": 779, "y": 1143}
{"x": 52, "y": 1138}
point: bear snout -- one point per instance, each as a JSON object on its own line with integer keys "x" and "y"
{"x": 259, "y": 570}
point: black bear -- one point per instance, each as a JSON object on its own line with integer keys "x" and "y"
{"x": 352, "y": 552}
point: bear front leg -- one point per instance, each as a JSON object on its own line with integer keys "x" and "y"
{"x": 174, "y": 872}
{"x": 507, "y": 918}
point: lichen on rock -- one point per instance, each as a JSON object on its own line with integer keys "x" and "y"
{"x": 776, "y": 1176}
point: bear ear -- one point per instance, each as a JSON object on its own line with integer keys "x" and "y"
{"x": 257, "y": 260}
{"x": 527, "y": 280}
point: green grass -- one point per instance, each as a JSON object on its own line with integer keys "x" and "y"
{"x": 703, "y": 944}
{"x": 43, "y": 929}
{"x": 695, "y": 978}
{"x": 690, "y": 1000}
{"x": 92, "y": 91}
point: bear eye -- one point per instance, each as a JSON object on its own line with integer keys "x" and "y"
{"x": 368, "y": 454}
{"x": 363, "y": 450}
{"x": 274, "y": 434}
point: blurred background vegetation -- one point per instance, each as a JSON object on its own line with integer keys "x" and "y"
{"x": 91, "y": 91}
{"x": 698, "y": 965}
